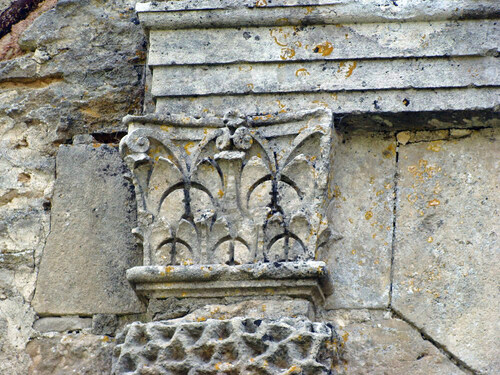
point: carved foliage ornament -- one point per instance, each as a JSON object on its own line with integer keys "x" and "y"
{"x": 230, "y": 191}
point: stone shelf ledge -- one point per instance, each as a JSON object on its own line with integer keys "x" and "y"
{"x": 237, "y": 13}
{"x": 294, "y": 279}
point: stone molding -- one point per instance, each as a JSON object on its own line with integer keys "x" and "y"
{"x": 296, "y": 279}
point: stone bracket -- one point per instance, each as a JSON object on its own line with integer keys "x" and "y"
{"x": 294, "y": 279}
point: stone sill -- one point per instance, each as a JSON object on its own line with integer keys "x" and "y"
{"x": 237, "y": 13}
{"x": 294, "y": 279}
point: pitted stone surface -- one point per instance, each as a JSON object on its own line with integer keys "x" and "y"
{"x": 235, "y": 346}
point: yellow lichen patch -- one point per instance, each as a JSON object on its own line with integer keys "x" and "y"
{"x": 324, "y": 104}
{"x": 430, "y": 239}
{"x": 435, "y": 146}
{"x": 287, "y": 53}
{"x": 325, "y": 48}
{"x": 281, "y": 107}
{"x": 345, "y": 336}
{"x": 250, "y": 86}
{"x": 302, "y": 72}
{"x": 293, "y": 370}
{"x": 351, "y": 68}
{"x": 169, "y": 269}
{"x": 353, "y": 251}
{"x": 390, "y": 151}
{"x": 433, "y": 203}
{"x": 188, "y": 147}
{"x": 279, "y": 33}
{"x": 261, "y": 3}
{"x": 245, "y": 68}
{"x": 309, "y": 10}
{"x": 220, "y": 193}
{"x": 368, "y": 215}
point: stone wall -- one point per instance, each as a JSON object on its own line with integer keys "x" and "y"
{"x": 414, "y": 179}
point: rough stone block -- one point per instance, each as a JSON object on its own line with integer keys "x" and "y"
{"x": 90, "y": 245}
{"x": 446, "y": 252}
{"x": 70, "y": 354}
{"x": 104, "y": 324}
{"x": 62, "y": 324}
{"x": 362, "y": 213}
{"x": 233, "y": 346}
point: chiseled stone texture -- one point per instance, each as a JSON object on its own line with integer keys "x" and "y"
{"x": 375, "y": 343}
{"x": 446, "y": 252}
{"x": 62, "y": 324}
{"x": 361, "y": 213}
{"x": 62, "y": 354}
{"x": 90, "y": 245}
{"x": 234, "y": 346}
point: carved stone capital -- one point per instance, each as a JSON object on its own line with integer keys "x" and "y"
{"x": 238, "y": 190}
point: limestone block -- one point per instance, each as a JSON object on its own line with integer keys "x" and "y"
{"x": 90, "y": 245}
{"x": 379, "y": 110}
{"x": 61, "y": 354}
{"x": 254, "y": 309}
{"x": 236, "y": 346}
{"x": 325, "y": 76}
{"x": 236, "y": 13}
{"x": 375, "y": 343}
{"x": 446, "y": 252}
{"x": 362, "y": 213}
{"x": 61, "y": 324}
{"x": 322, "y": 42}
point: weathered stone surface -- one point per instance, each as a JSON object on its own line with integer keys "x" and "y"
{"x": 255, "y": 309}
{"x": 361, "y": 212}
{"x": 104, "y": 324}
{"x": 330, "y": 42}
{"x": 325, "y": 76}
{"x": 235, "y": 13}
{"x": 446, "y": 251}
{"x": 62, "y": 324}
{"x": 70, "y": 354}
{"x": 233, "y": 191}
{"x": 375, "y": 343}
{"x": 90, "y": 245}
{"x": 238, "y": 346}
{"x": 378, "y": 110}
{"x": 295, "y": 279}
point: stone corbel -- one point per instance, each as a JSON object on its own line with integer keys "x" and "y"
{"x": 232, "y": 206}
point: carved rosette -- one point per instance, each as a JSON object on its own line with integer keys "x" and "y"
{"x": 230, "y": 191}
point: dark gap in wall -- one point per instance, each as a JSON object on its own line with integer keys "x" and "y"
{"x": 394, "y": 213}
{"x": 17, "y": 12}
{"x": 113, "y": 137}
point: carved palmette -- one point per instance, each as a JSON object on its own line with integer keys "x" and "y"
{"x": 234, "y": 190}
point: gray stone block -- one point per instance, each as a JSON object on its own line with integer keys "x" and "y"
{"x": 62, "y": 324}
{"x": 104, "y": 324}
{"x": 446, "y": 251}
{"x": 90, "y": 245}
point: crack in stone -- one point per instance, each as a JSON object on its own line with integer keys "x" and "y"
{"x": 442, "y": 348}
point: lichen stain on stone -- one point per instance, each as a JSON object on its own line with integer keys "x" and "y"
{"x": 302, "y": 72}
{"x": 368, "y": 215}
{"x": 287, "y": 53}
{"x": 351, "y": 68}
{"x": 433, "y": 203}
{"x": 261, "y": 3}
{"x": 389, "y": 152}
{"x": 435, "y": 146}
{"x": 325, "y": 48}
